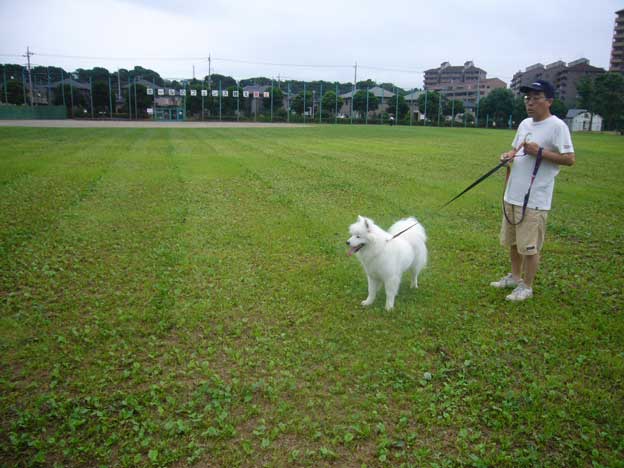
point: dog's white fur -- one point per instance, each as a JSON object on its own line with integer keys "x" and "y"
{"x": 386, "y": 259}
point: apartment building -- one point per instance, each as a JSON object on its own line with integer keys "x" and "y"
{"x": 617, "y": 49}
{"x": 466, "y": 83}
{"x": 564, "y": 77}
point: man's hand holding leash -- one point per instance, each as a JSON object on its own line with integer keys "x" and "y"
{"x": 508, "y": 156}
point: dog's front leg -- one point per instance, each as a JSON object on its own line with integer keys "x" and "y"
{"x": 392, "y": 289}
{"x": 373, "y": 287}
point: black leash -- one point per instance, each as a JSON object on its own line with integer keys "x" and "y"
{"x": 486, "y": 175}
{"x": 406, "y": 229}
{"x": 538, "y": 162}
{"x": 475, "y": 183}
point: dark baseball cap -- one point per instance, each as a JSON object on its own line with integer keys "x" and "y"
{"x": 540, "y": 86}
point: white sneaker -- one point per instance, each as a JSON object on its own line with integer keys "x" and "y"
{"x": 521, "y": 293}
{"x": 506, "y": 282}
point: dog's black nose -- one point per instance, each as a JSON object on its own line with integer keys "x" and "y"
{"x": 347, "y": 242}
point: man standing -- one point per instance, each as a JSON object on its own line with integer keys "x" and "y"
{"x": 542, "y": 144}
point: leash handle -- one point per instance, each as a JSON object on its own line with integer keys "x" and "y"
{"x": 538, "y": 162}
{"x": 508, "y": 172}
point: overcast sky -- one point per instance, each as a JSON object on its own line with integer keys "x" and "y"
{"x": 392, "y": 41}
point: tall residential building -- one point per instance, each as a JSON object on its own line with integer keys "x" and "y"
{"x": 617, "y": 49}
{"x": 447, "y": 73}
{"x": 564, "y": 78}
{"x": 465, "y": 83}
{"x": 568, "y": 79}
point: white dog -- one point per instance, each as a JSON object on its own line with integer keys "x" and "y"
{"x": 385, "y": 258}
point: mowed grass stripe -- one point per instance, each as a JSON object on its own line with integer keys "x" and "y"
{"x": 31, "y": 202}
{"x": 124, "y": 244}
{"x": 93, "y": 244}
{"x": 32, "y": 150}
{"x": 377, "y": 178}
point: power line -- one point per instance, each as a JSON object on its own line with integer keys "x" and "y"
{"x": 249, "y": 62}
{"x": 195, "y": 58}
{"x": 84, "y": 57}
{"x": 397, "y": 70}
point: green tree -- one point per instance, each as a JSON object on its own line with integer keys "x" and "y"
{"x": 15, "y": 92}
{"x": 586, "y": 92}
{"x": 278, "y": 100}
{"x": 609, "y": 99}
{"x": 259, "y": 81}
{"x": 146, "y": 74}
{"x": 432, "y": 101}
{"x": 519, "y": 110}
{"x": 587, "y": 98}
{"x": 143, "y": 101}
{"x": 101, "y": 99}
{"x": 329, "y": 102}
{"x": 498, "y": 105}
{"x": 194, "y": 103}
{"x": 226, "y": 81}
{"x": 365, "y": 84}
{"x": 42, "y": 74}
{"x": 95, "y": 74}
{"x": 297, "y": 102}
{"x": 79, "y": 99}
{"x": 403, "y": 108}
{"x": 13, "y": 71}
{"x": 559, "y": 108}
{"x": 453, "y": 106}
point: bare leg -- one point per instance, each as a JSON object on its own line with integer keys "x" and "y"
{"x": 531, "y": 262}
{"x": 516, "y": 263}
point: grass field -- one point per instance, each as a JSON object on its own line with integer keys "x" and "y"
{"x": 177, "y": 297}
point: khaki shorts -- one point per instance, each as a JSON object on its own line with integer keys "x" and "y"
{"x": 528, "y": 236}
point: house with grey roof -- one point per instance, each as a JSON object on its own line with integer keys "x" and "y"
{"x": 44, "y": 93}
{"x": 411, "y": 100}
{"x": 581, "y": 120}
{"x": 383, "y": 95}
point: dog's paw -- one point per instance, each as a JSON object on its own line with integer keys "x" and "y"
{"x": 366, "y": 303}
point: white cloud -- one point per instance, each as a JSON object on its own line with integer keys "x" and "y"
{"x": 499, "y": 36}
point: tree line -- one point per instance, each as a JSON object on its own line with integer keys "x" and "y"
{"x": 603, "y": 95}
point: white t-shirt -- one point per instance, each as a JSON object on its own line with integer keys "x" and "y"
{"x": 552, "y": 134}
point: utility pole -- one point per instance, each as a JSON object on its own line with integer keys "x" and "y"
{"x": 209, "y": 70}
{"x": 354, "y": 87}
{"x": 28, "y": 54}
{"x": 193, "y": 72}
{"x": 478, "y": 97}
{"x": 452, "y": 105}
{"x": 118, "y": 84}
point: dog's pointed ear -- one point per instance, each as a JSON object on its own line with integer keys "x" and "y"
{"x": 360, "y": 219}
{"x": 367, "y": 224}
